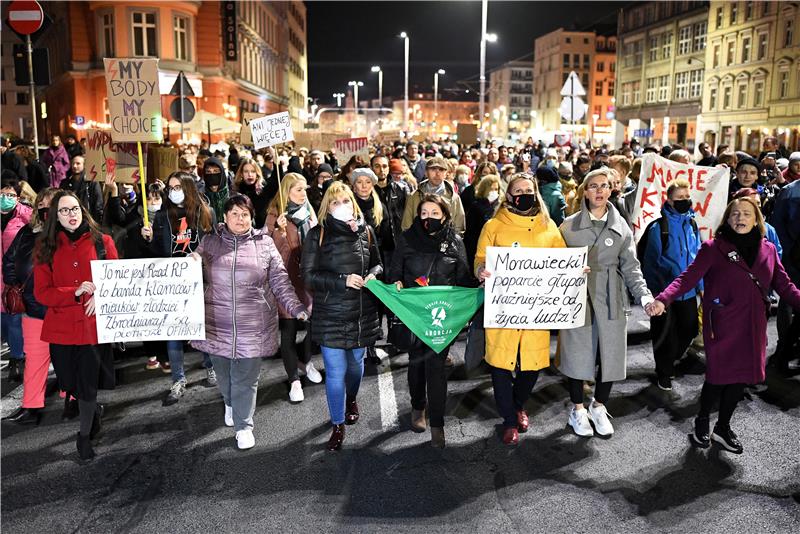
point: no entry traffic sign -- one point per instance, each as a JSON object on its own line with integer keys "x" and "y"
{"x": 25, "y": 16}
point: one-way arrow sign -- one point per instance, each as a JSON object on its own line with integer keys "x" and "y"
{"x": 573, "y": 87}
{"x": 181, "y": 86}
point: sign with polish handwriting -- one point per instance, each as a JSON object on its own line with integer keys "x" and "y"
{"x": 535, "y": 288}
{"x": 149, "y": 299}
{"x": 271, "y": 130}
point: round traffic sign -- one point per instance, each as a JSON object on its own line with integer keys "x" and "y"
{"x": 188, "y": 110}
{"x": 25, "y": 16}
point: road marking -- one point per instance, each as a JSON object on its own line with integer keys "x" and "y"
{"x": 387, "y": 398}
{"x": 11, "y": 402}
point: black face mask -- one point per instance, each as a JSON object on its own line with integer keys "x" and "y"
{"x": 213, "y": 179}
{"x": 614, "y": 195}
{"x": 432, "y": 226}
{"x": 43, "y": 213}
{"x": 682, "y": 206}
{"x": 524, "y": 202}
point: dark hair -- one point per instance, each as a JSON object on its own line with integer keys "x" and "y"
{"x": 376, "y": 156}
{"x": 412, "y": 143}
{"x": 10, "y": 179}
{"x": 439, "y": 201}
{"x": 198, "y": 214}
{"x": 47, "y": 243}
{"x": 240, "y": 201}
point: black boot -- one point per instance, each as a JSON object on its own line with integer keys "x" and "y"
{"x": 25, "y": 416}
{"x": 780, "y": 359}
{"x": 700, "y": 435}
{"x": 15, "y": 369}
{"x": 84, "y": 445}
{"x": 70, "y": 408}
{"x": 727, "y": 439}
{"x": 97, "y": 423}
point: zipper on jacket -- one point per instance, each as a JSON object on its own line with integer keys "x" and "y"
{"x": 233, "y": 294}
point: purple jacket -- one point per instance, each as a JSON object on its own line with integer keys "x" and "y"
{"x": 243, "y": 276}
{"x": 56, "y": 160}
{"x": 734, "y": 312}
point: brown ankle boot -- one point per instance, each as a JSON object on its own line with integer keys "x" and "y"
{"x": 437, "y": 437}
{"x": 418, "y": 423}
{"x": 337, "y": 437}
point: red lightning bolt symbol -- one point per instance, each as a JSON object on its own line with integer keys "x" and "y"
{"x": 112, "y": 69}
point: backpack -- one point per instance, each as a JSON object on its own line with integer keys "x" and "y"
{"x": 663, "y": 225}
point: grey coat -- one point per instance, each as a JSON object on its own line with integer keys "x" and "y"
{"x": 612, "y": 258}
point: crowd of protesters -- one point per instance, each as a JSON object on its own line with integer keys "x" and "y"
{"x": 289, "y": 237}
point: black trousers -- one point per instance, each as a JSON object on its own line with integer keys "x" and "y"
{"x": 289, "y": 328}
{"x": 512, "y": 392}
{"x": 602, "y": 390}
{"x": 82, "y": 369}
{"x": 672, "y": 333}
{"x": 427, "y": 382}
{"x": 728, "y": 396}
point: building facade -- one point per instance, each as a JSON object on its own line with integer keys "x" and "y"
{"x": 752, "y": 85}
{"x": 660, "y": 70}
{"x": 510, "y": 99}
{"x": 421, "y": 108}
{"x": 600, "y": 92}
{"x": 237, "y": 56}
{"x": 15, "y": 100}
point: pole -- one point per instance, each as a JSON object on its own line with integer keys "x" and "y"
{"x": 380, "y": 88}
{"x": 405, "y": 101}
{"x": 355, "y": 95}
{"x": 435, "y": 102}
{"x": 33, "y": 97}
{"x": 180, "y": 83}
{"x": 484, "y": 16}
{"x": 209, "y": 133}
{"x": 143, "y": 186}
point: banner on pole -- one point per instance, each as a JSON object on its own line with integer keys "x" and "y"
{"x": 347, "y": 148}
{"x": 535, "y": 288}
{"x": 271, "y": 130}
{"x": 103, "y": 155}
{"x": 134, "y": 99}
{"x": 709, "y": 193}
{"x": 149, "y": 299}
{"x": 162, "y": 161}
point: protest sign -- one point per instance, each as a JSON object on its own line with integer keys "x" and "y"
{"x": 271, "y": 130}
{"x": 347, "y": 148}
{"x": 709, "y": 193}
{"x": 535, "y": 288}
{"x": 245, "y": 135}
{"x": 103, "y": 155}
{"x": 467, "y": 133}
{"x": 149, "y": 299}
{"x": 316, "y": 140}
{"x": 162, "y": 160}
{"x": 134, "y": 99}
{"x": 387, "y": 137}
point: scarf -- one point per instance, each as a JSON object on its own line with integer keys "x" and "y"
{"x": 422, "y": 241}
{"x": 217, "y": 199}
{"x": 303, "y": 219}
{"x": 79, "y": 231}
{"x": 430, "y": 189}
{"x": 747, "y": 244}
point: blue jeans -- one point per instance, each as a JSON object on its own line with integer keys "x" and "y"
{"x": 12, "y": 334}
{"x": 175, "y": 354}
{"x": 343, "y": 371}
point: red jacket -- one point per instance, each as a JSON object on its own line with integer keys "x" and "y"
{"x": 54, "y": 286}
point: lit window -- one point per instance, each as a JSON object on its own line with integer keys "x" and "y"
{"x": 758, "y": 94}
{"x": 741, "y": 99}
{"x": 663, "y": 88}
{"x": 685, "y": 40}
{"x": 681, "y": 85}
{"x": 745, "y": 49}
{"x": 696, "y": 83}
{"x": 762, "y": 45}
{"x": 598, "y": 88}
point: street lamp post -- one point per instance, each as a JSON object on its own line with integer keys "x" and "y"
{"x": 436, "y": 99}
{"x": 490, "y": 37}
{"x": 377, "y": 69}
{"x": 355, "y": 85}
{"x": 404, "y": 36}
{"x": 338, "y": 97}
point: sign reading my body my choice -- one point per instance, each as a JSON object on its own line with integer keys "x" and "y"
{"x": 535, "y": 288}
{"x": 271, "y": 130}
{"x": 134, "y": 99}
{"x": 149, "y": 299}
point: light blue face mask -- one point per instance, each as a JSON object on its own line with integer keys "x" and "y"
{"x": 7, "y": 204}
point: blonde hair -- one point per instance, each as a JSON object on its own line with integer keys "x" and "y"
{"x": 622, "y": 162}
{"x": 287, "y": 183}
{"x": 485, "y": 185}
{"x": 762, "y": 228}
{"x": 240, "y": 171}
{"x": 680, "y": 183}
{"x": 336, "y": 190}
{"x": 377, "y": 206}
{"x": 522, "y": 176}
{"x": 608, "y": 172}
{"x": 26, "y": 193}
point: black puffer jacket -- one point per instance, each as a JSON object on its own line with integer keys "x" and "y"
{"x": 441, "y": 258}
{"x": 342, "y": 317}
{"x": 18, "y": 269}
{"x": 477, "y": 215}
{"x": 393, "y": 197}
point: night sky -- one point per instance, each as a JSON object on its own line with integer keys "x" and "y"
{"x": 346, "y": 38}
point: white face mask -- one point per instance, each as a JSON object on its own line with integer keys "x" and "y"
{"x": 492, "y": 196}
{"x": 177, "y": 197}
{"x": 343, "y": 212}
{"x": 153, "y": 207}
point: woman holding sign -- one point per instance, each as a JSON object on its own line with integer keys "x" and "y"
{"x": 62, "y": 281}
{"x": 245, "y": 280}
{"x": 514, "y": 355}
{"x": 597, "y": 350}
{"x": 176, "y": 231}
{"x": 430, "y": 253}
{"x": 339, "y": 257}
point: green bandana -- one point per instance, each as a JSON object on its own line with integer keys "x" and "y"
{"x": 435, "y": 314}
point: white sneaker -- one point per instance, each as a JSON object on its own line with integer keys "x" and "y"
{"x": 228, "y": 416}
{"x": 600, "y": 416}
{"x": 245, "y": 439}
{"x": 579, "y": 421}
{"x": 296, "y": 393}
{"x": 313, "y": 375}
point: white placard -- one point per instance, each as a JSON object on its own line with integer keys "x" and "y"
{"x": 271, "y": 130}
{"x": 347, "y": 148}
{"x": 149, "y": 299}
{"x": 708, "y": 191}
{"x": 535, "y": 288}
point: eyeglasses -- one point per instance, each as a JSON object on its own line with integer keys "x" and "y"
{"x": 74, "y": 210}
{"x": 9, "y": 195}
{"x": 176, "y": 188}
{"x": 595, "y": 187}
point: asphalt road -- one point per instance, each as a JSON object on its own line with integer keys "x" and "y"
{"x": 176, "y": 469}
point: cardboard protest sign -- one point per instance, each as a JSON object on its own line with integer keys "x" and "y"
{"x": 535, "y": 288}
{"x": 134, "y": 99}
{"x": 103, "y": 155}
{"x": 709, "y": 193}
{"x": 149, "y": 299}
{"x": 347, "y": 148}
{"x": 388, "y": 136}
{"x": 162, "y": 161}
{"x": 245, "y": 135}
{"x": 316, "y": 140}
{"x": 271, "y": 130}
{"x": 467, "y": 133}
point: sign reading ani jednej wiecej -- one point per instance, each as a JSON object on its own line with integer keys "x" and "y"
{"x": 535, "y": 288}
